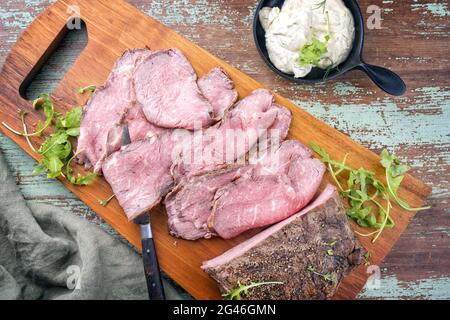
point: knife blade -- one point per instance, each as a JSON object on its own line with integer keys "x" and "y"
{"x": 151, "y": 265}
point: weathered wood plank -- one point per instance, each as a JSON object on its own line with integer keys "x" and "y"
{"x": 414, "y": 126}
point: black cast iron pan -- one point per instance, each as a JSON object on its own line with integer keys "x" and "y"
{"x": 387, "y": 80}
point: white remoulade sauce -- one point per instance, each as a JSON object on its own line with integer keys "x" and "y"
{"x": 298, "y": 23}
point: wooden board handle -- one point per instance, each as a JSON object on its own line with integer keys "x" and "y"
{"x": 32, "y": 49}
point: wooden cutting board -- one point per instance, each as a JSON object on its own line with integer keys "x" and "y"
{"x": 113, "y": 27}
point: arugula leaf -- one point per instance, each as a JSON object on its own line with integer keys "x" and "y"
{"x": 39, "y": 169}
{"x": 56, "y": 144}
{"x": 54, "y": 166}
{"x": 73, "y": 132}
{"x": 394, "y": 176}
{"x": 365, "y": 192}
{"x": 329, "y": 276}
{"x": 71, "y": 120}
{"x": 42, "y": 102}
{"x": 56, "y": 151}
{"x": 105, "y": 202}
{"x": 90, "y": 88}
{"x": 79, "y": 179}
{"x": 242, "y": 290}
{"x": 320, "y": 151}
{"x": 49, "y": 111}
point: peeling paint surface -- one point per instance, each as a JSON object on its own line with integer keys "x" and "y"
{"x": 392, "y": 288}
{"x": 416, "y": 120}
{"x": 436, "y": 9}
{"x": 415, "y": 126}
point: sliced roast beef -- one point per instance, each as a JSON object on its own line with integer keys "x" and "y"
{"x": 277, "y": 159}
{"x": 233, "y": 137}
{"x": 166, "y": 88}
{"x": 240, "y": 130}
{"x": 115, "y": 104}
{"x": 139, "y": 173}
{"x": 295, "y": 252}
{"x": 188, "y": 205}
{"x": 267, "y": 195}
{"x": 138, "y": 125}
{"x": 275, "y": 134}
{"x": 218, "y": 88}
{"x": 280, "y": 128}
{"x": 105, "y": 109}
{"x": 196, "y": 207}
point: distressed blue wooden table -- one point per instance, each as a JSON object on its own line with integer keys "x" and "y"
{"x": 413, "y": 41}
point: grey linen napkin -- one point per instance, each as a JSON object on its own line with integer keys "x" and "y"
{"x": 48, "y": 253}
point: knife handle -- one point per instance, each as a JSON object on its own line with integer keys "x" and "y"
{"x": 151, "y": 269}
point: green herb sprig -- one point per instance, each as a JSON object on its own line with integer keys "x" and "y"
{"x": 242, "y": 290}
{"x": 79, "y": 180}
{"x": 91, "y": 89}
{"x": 331, "y": 244}
{"x": 330, "y": 69}
{"x": 366, "y": 193}
{"x": 329, "y": 276}
{"x": 42, "y": 102}
{"x": 56, "y": 151}
{"x": 105, "y": 202}
{"x": 313, "y": 52}
{"x": 395, "y": 172}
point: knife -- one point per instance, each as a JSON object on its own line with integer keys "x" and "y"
{"x": 151, "y": 265}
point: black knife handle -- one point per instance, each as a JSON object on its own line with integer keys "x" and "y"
{"x": 151, "y": 268}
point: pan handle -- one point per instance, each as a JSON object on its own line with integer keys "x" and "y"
{"x": 387, "y": 80}
{"x": 151, "y": 266}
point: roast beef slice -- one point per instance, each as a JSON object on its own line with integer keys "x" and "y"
{"x": 271, "y": 193}
{"x": 188, "y": 205}
{"x": 139, "y": 174}
{"x": 218, "y": 89}
{"x": 166, "y": 87}
{"x": 105, "y": 110}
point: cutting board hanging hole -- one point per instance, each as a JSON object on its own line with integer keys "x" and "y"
{"x": 54, "y": 64}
